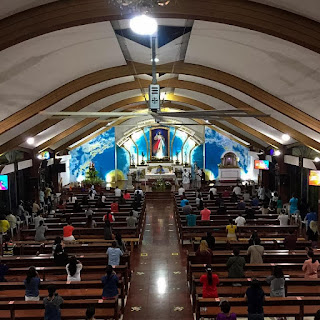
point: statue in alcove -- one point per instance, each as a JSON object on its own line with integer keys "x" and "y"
{"x": 229, "y": 160}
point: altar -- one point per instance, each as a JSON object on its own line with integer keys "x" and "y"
{"x": 148, "y": 171}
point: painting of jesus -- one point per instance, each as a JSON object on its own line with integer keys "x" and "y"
{"x": 160, "y": 143}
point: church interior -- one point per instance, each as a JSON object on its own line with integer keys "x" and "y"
{"x": 159, "y": 159}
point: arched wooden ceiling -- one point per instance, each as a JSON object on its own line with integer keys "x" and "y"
{"x": 254, "y": 16}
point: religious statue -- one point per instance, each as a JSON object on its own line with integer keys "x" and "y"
{"x": 160, "y": 170}
{"x": 177, "y": 155}
{"x": 132, "y": 161}
{"x": 159, "y": 148}
{"x": 142, "y": 156}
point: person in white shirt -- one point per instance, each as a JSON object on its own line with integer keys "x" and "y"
{"x": 213, "y": 190}
{"x": 103, "y": 197}
{"x": 181, "y": 190}
{"x": 74, "y": 268}
{"x": 139, "y": 191}
{"x": 237, "y": 190}
{"x": 283, "y": 218}
{"x": 72, "y": 199}
{"x": 117, "y": 192}
{"x": 240, "y": 220}
{"x": 37, "y": 220}
{"x": 246, "y": 196}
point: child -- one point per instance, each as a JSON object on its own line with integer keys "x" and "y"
{"x": 225, "y": 312}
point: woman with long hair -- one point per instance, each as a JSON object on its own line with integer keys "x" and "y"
{"x": 277, "y": 283}
{"x": 310, "y": 266}
{"x": 74, "y": 268}
{"x": 313, "y": 233}
{"x": 120, "y": 243}
{"x": 90, "y": 222}
{"x": 59, "y": 256}
{"x": 205, "y": 252}
{"x": 52, "y": 304}
{"x": 110, "y": 284}
{"x": 231, "y": 229}
{"x": 209, "y": 283}
{"x": 32, "y": 283}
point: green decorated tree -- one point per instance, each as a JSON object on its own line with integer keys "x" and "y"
{"x": 92, "y": 176}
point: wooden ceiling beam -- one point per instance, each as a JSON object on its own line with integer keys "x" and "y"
{"x": 59, "y": 15}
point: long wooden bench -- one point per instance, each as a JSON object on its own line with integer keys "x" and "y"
{"x": 296, "y": 307}
{"x": 72, "y": 309}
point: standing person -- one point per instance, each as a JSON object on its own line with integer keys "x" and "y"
{"x": 107, "y": 230}
{"x": 110, "y": 284}
{"x": 131, "y": 220}
{"x": 225, "y": 312}
{"x": 117, "y": 192}
{"x": 52, "y": 304}
{"x": 255, "y": 298}
{"x": 277, "y": 283}
{"x": 209, "y": 283}
{"x": 186, "y": 179}
{"x": 41, "y": 197}
{"x": 47, "y": 194}
{"x": 256, "y": 252}
{"x": 205, "y": 213}
{"x": 311, "y": 216}
{"x": 35, "y": 207}
{"x": 198, "y": 178}
{"x": 114, "y": 255}
{"x": 231, "y": 230}
{"x": 261, "y": 193}
{"x": 283, "y": 218}
{"x": 40, "y": 231}
{"x": 310, "y": 266}
{"x": 293, "y": 204}
{"x": 237, "y": 190}
{"x": 303, "y": 208}
{"x": 73, "y": 269}
{"x": 235, "y": 265}
{"x": 67, "y": 231}
{"x": 203, "y": 177}
{"x": 32, "y": 283}
{"x": 279, "y": 205}
{"x": 73, "y": 198}
{"x": 313, "y": 233}
{"x": 240, "y": 220}
{"x": 187, "y": 209}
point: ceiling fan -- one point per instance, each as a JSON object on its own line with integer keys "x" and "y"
{"x": 154, "y": 107}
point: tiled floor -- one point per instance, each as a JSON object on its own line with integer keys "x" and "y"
{"x": 159, "y": 281}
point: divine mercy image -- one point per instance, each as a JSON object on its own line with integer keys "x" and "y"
{"x": 159, "y": 138}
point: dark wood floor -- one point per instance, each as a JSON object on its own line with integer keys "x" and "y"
{"x": 159, "y": 280}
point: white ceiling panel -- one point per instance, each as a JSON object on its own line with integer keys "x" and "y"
{"x": 256, "y": 104}
{"x": 284, "y": 69}
{"x": 307, "y": 8}
{"x": 35, "y": 67}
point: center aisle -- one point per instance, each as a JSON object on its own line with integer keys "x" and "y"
{"x": 159, "y": 281}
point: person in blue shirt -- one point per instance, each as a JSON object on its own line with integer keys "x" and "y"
{"x": 293, "y": 204}
{"x": 32, "y": 283}
{"x": 114, "y": 254}
{"x": 183, "y": 202}
{"x": 311, "y": 216}
{"x": 191, "y": 220}
{"x": 255, "y": 202}
{"x": 110, "y": 284}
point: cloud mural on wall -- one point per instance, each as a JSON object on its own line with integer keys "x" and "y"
{"x": 216, "y": 145}
{"x": 100, "y": 150}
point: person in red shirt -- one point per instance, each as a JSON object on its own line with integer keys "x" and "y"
{"x": 209, "y": 282}
{"x": 126, "y": 195}
{"x": 114, "y": 206}
{"x": 109, "y": 216}
{"x": 67, "y": 232}
{"x": 205, "y": 213}
{"x": 226, "y": 193}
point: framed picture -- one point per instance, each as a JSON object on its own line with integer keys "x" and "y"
{"x": 159, "y": 143}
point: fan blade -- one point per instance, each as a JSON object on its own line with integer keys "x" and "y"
{"x": 211, "y": 114}
{"x": 95, "y": 114}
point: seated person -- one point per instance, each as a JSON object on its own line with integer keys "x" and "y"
{"x": 240, "y": 220}
{"x": 187, "y": 209}
{"x": 246, "y": 196}
{"x": 205, "y": 213}
{"x": 209, "y": 283}
{"x": 231, "y": 230}
{"x": 237, "y": 190}
{"x": 211, "y": 240}
{"x": 256, "y": 252}
{"x": 40, "y": 231}
{"x": 181, "y": 190}
{"x": 110, "y": 284}
{"x": 205, "y": 252}
{"x": 12, "y": 220}
{"x": 4, "y": 224}
{"x": 191, "y": 219}
{"x": 226, "y": 193}
{"x": 255, "y": 202}
{"x": 131, "y": 220}
{"x": 290, "y": 241}
{"x": 67, "y": 232}
{"x": 183, "y": 202}
{"x": 249, "y": 213}
{"x": 241, "y": 205}
{"x": 225, "y": 312}
{"x": 114, "y": 206}
{"x": 313, "y": 233}
{"x": 160, "y": 170}
{"x": 3, "y": 271}
{"x": 73, "y": 269}
{"x": 126, "y": 195}
{"x": 114, "y": 254}
{"x": 283, "y": 218}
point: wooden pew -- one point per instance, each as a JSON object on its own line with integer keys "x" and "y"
{"x": 72, "y": 309}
